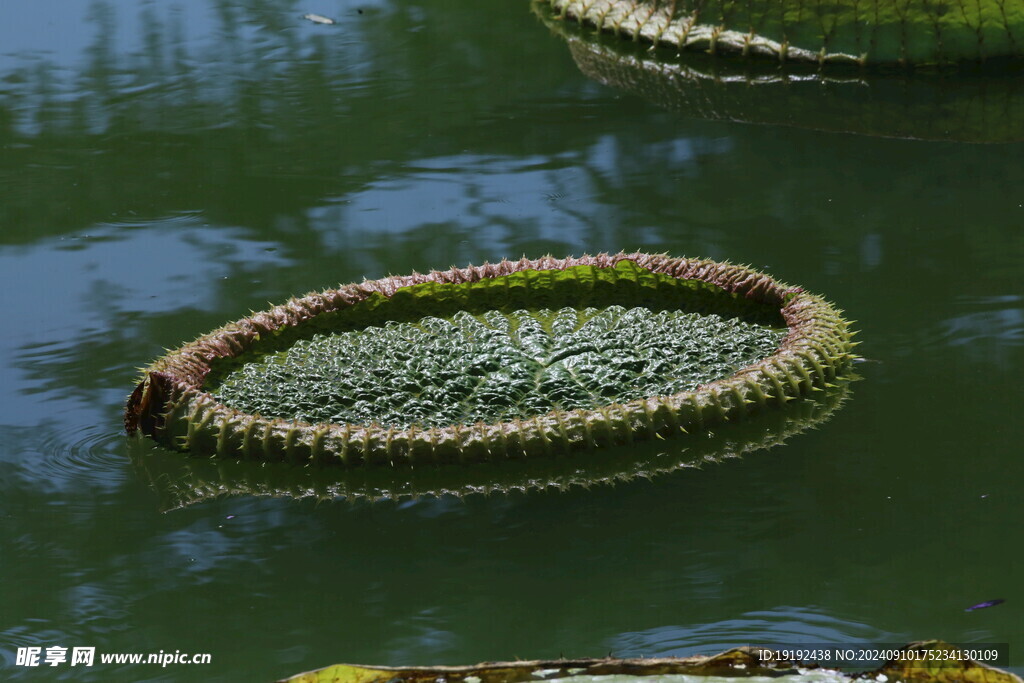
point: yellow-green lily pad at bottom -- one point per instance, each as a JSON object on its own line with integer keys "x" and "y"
{"x": 931, "y": 661}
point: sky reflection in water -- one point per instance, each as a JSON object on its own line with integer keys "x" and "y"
{"x": 157, "y": 185}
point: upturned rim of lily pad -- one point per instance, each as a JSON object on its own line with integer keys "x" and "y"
{"x": 180, "y": 482}
{"x": 171, "y": 404}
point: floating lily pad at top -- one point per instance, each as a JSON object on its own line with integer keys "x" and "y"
{"x": 511, "y": 317}
{"x": 970, "y": 102}
{"x": 842, "y": 32}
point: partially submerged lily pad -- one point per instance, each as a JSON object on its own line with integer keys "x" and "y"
{"x": 969, "y": 103}
{"x": 842, "y": 32}
{"x": 740, "y": 663}
{"x": 496, "y": 361}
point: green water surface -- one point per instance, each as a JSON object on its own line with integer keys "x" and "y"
{"x": 168, "y": 167}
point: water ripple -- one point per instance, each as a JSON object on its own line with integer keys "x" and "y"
{"x": 68, "y": 457}
{"x": 779, "y": 625}
{"x": 29, "y": 633}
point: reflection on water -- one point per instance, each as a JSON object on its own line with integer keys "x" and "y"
{"x": 83, "y": 300}
{"x": 251, "y": 101}
{"x": 999, "y": 323}
{"x": 183, "y": 480}
{"x": 166, "y": 168}
{"x": 169, "y": 68}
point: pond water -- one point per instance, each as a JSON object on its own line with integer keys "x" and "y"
{"x": 168, "y": 167}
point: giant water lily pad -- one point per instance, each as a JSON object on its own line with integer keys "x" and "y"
{"x": 844, "y": 32}
{"x": 496, "y": 361}
{"x": 969, "y": 102}
{"x": 497, "y": 365}
{"x": 180, "y": 482}
{"x": 932, "y": 661}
